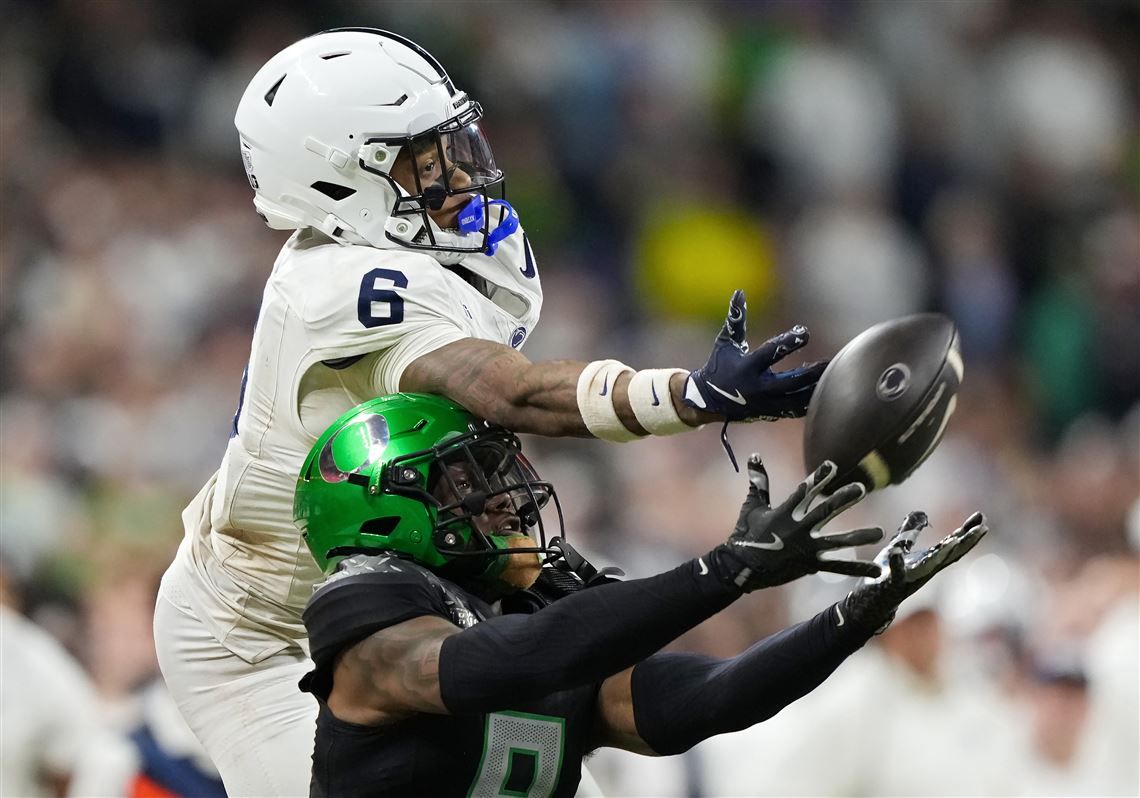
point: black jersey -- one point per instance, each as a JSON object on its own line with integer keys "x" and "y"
{"x": 530, "y": 748}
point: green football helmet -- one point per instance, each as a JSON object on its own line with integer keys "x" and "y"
{"x": 408, "y": 474}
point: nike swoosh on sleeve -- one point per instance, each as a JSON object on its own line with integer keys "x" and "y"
{"x": 653, "y": 388}
{"x": 737, "y": 397}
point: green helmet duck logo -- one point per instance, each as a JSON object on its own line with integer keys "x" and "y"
{"x": 410, "y": 474}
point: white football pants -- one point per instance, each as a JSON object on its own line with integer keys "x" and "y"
{"x": 253, "y": 721}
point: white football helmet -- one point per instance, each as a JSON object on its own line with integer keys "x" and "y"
{"x": 323, "y": 122}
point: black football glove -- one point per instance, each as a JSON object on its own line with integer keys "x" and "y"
{"x": 774, "y": 546}
{"x": 905, "y": 570}
{"x": 741, "y": 385}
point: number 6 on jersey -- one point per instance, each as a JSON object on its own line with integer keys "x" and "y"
{"x": 378, "y": 306}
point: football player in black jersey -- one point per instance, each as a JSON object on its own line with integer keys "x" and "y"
{"x": 459, "y": 650}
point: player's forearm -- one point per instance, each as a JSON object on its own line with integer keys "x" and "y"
{"x": 581, "y": 639}
{"x": 679, "y": 700}
{"x": 499, "y": 384}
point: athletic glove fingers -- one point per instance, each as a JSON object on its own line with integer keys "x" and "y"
{"x": 835, "y": 504}
{"x": 758, "y": 480}
{"x": 735, "y": 327}
{"x": 909, "y": 529}
{"x": 780, "y": 346}
{"x": 818, "y": 481}
{"x": 896, "y": 566}
{"x": 955, "y": 547}
{"x": 975, "y": 520}
{"x": 851, "y": 568}
{"x": 800, "y": 379}
{"x": 797, "y": 503}
{"x": 856, "y": 537}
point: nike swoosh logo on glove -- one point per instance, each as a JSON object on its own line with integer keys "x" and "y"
{"x": 737, "y": 397}
{"x": 775, "y": 545}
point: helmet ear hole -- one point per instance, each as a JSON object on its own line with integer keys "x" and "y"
{"x": 333, "y": 191}
{"x": 383, "y": 526}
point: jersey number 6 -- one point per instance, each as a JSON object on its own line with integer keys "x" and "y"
{"x": 376, "y": 306}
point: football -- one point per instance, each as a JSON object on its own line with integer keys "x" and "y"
{"x": 882, "y": 405}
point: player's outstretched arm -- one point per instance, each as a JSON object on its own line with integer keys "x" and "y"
{"x": 428, "y": 665}
{"x": 608, "y": 399}
{"x": 672, "y": 701}
{"x": 500, "y": 384}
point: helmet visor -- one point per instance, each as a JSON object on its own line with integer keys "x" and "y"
{"x": 468, "y": 157}
{"x": 452, "y": 159}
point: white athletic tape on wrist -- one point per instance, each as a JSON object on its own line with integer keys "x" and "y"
{"x": 652, "y": 401}
{"x": 596, "y": 401}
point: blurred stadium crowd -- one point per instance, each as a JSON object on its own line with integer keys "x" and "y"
{"x": 845, "y": 162}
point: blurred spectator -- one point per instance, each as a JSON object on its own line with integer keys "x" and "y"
{"x": 153, "y": 755}
{"x": 1106, "y": 763}
{"x": 49, "y": 711}
{"x": 1058, "y": 702}
{"x": 840, "y": 252}
{"x": 885, "y": 724}
{"x": 830, "y": 119}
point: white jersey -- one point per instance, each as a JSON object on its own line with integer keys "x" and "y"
{"x": 338, "y": 325}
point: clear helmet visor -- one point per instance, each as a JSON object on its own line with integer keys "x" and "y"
{"x": 448, "y": 161}
{"x": 469, "y": 153}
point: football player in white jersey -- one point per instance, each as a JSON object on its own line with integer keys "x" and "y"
{"x": 403, "y": 274}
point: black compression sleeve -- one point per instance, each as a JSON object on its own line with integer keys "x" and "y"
{"x": 681, "y": 699}
{"x": 580, "y": 639}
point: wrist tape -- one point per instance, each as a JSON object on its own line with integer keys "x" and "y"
{"x": 652, "y": 401}
{"x": 596, "y": 401}
{"x": 649, "y": 397}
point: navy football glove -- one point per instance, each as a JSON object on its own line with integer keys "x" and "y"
{"x": 774, "y": 546}
{"x": 873, "y": 603}
{"x": 741, "y": 385}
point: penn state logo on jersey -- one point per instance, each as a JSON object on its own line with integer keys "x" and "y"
{"x": 518, "y": 337}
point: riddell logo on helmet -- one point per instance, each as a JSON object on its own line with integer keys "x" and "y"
{"x": 893, "y": 382}
{"x": 247, "y": 161}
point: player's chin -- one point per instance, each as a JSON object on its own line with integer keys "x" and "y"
{"x": 447, "y": 218}
{"x": 522, "y": 568}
